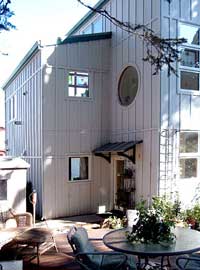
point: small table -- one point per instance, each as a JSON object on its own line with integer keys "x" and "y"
{"x": 40, "y": 238}
{"x": 187, "y": 241}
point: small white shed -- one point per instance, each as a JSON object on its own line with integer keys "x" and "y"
{"x": 13, "y": 183}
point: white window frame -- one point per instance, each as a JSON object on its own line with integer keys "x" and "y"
{"x": 189, "y": 156}
{"x": 89, "y": 169}
{"x": 186, "y": 68}
{"x": 12, "y": 108}
{"x": 89, "y": 84}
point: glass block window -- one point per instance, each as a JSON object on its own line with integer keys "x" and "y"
{"x": 78, "y": 168}
{"x": 78, "y": 84}
{"x": 189, "y": 54}
{"x": 189, "y": 156}
{"x": 3, "y": 190}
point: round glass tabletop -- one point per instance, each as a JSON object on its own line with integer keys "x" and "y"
{"x": 187, "y": 241}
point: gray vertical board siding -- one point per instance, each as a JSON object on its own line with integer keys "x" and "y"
{"x": 165, "y": 82}
{"x": 185, "y": 10}
{"x": 195, "y": 11}
{"x": 125, "y": 121}
{"x": 173, "y": 81}
{"x": 178, "y": 110}
{"x": 76, "y": 128}
{"x": 26, "y": 137}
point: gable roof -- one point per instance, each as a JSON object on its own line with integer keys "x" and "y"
{"x": 87, "y": 17}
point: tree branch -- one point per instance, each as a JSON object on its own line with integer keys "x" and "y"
{"x": 5, "y": 14}
{"x": 160, "y": 51}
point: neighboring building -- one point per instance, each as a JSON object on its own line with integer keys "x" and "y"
{"x": 2, "y": 141}
{"x": 64, "y": 103}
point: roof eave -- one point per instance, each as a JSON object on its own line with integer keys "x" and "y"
{"x": 34, "y": 49}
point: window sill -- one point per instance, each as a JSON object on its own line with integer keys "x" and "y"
{"x": 79, "y": 181}
{"x": 188, "y": 92}
{"x": 89, "y": 99}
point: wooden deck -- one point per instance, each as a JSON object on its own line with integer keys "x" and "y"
{"x": 64, "y": 258}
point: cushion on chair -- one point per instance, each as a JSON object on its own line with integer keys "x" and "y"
{"x": 81, "y": 242}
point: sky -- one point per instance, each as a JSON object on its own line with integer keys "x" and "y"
{"x": 35, "y": 20}
{"x": 43, "y": 20}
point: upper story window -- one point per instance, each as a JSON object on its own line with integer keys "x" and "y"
{"x": 97, "y": 25}
{"x": 190, "y": 65}
{"x": 94, "y": 27}
{"x": 12, "y": 108}
{"x": 128, "y": 85}
{"x": 189, "y": 154}
{"x": 88, "y": 29}
{"x": 78, "y": 168}
{"x": 78, "y": 84}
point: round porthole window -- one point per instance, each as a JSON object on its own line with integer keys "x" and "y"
{"x": 128, "y": 85}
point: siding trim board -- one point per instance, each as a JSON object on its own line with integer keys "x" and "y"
{"x": 87, "y": 37}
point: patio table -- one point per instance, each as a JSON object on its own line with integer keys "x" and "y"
{"x": 187, "y": 241}
{"x": 40, "y": 238}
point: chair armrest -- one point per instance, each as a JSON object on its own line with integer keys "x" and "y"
{"x": 22, "y": 218}
{"x": 185, "y": 260}
{"x": 102, "y": 255}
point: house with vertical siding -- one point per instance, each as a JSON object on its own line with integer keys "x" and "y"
{"x": 99, "y": 130}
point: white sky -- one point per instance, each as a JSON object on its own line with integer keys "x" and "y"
{"x": 43, "y": 20}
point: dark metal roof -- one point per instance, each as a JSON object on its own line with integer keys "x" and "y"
{"x": 116, "y": 147}
{"x": 88, "y": 37}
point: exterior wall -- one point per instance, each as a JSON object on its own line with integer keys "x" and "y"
{"x": 140, "y": 120}
{"x": 75, "y": 126}
{"x": 23, "y": 133}
{"x": 178, "y": 111}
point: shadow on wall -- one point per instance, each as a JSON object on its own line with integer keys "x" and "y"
{"x": 18, "y": 198}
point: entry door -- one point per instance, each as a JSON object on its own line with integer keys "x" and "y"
{"x": 124, "y": 184}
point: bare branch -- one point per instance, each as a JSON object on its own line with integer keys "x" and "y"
{"x": 160, "y": 51}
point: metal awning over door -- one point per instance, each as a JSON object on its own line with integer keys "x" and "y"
{"x": 120, "y": 148}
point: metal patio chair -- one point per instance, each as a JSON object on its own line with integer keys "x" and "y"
{"x": 189, "y": 262}
{"x": 89, "y": 258}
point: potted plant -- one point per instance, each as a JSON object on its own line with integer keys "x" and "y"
{"x": 155, "y": 223}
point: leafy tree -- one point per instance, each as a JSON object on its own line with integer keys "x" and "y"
{"x": 159, "y": 51}
{"x": 5, "y": 15}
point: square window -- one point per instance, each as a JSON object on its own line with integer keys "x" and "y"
{"x": 188, "y": 167}
{"x": 78, "y": 168}
{"x": 3, "y": 189}
{"x": 190, "y": 58}
{"x": 78, "y": 84}
{"x": 189, "y": 80}
{"x": 188, "y": 142}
